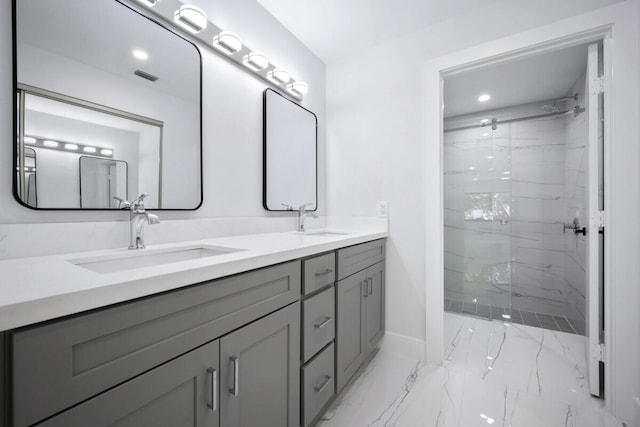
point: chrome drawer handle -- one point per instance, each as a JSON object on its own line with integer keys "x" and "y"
{"x": 324, "y": 323}
{"x": 324, "y": 273}
{"x": 321, "y": 387}
{"x": 236, "y": 374}
{"x": 364, "y": 286}
{"x": 370, "y": 280}
{"x": 213, "y": 379}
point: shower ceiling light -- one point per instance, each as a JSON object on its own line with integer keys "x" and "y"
{"x": 278, "y": 76}
{"x": 255, "y": 61}
{"x": 484, "y": 97}
{"x": 141, "y": 54}
{"x": 227, "y": 42}
{"x": 191, "y": 18}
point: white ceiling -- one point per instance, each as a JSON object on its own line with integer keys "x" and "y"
{"x": 334, "y": 28}
{"x": 534, "y": 78}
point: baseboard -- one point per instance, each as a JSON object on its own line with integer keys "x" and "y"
{"x": 403, "y": 345}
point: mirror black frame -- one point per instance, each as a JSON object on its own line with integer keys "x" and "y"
{"x": 14, "y": 58}
{"x": 264, "y": 149}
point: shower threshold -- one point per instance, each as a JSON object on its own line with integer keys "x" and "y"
{"x": 539, "y": 320}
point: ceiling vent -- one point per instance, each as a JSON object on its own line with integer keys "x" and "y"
{"x": 144, "y": 75}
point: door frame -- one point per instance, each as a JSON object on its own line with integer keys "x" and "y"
{"x": 615, "y": 26}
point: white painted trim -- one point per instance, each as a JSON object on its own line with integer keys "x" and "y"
{"x": 617, "y": 26}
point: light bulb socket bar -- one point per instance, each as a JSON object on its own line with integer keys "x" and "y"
{"x": 67, "y": 147}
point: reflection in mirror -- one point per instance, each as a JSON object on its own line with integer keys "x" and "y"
{"x": 103, "y": 183}
{"x": 290, "y": 154}
{"x": 82, "y": 91}
{"x": 27, "y": 176}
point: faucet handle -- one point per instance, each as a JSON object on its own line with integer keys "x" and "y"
{"x": 286, "y": 206}
{"x": 303, "y": 208}
{"x": 138, "y": 202}
{"x": 122, "y": 203}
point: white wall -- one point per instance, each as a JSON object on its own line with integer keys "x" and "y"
{"x": 380, "y": 136}
{"x": 232, "y": 119}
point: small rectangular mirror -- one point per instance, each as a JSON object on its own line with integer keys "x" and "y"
{"x": 102, "y": 91}
{"x": 290, "y": 154}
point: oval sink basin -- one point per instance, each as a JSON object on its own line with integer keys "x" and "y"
{"x": 142, "y": 258}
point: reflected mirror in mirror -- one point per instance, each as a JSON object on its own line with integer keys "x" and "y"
{"x": 29, "y": 195}
{"x": 103, "y": 183}
{"x": 84, "y": 90}
{"x": 290, "y": 154}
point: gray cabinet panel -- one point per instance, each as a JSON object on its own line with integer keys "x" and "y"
{"x": 319, "y": 271}
{"x": 176, "y": 394}
{"x": 350, "y": 339}
{"x": 61, "y": 363}
{"x": 359, "y": 257}
{"x": 260, "y": 372}
{"x": 375, "y": 305}
{"x": 318, "y": 384}
{"x": 318, "y": 322}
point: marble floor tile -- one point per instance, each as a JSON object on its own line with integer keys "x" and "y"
{"x": 494, "y": 373}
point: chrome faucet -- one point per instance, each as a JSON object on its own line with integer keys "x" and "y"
{"x": 137, "y": 217}
{"x": 302, "y": 213}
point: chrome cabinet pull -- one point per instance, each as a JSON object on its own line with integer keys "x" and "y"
{"x": 323, "y": 323}
{"x": 324, "y": 273}
{"x": 364, "y": 286}
{"x": 236, "y": 375}
{"x": 370, "y": 280}
{"x": 324, "y": 384}
{"x": 213, "y": 380}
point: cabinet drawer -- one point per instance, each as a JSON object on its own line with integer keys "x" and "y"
{"x": 318, "y": 272}
{"x": 318, "y": 322}
{"x": 318, "y": 384}
{"x": 358, "y": 257}
{"x": 61, "y": 363}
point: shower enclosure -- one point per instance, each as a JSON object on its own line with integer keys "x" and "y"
{"x": 514, "y": 209}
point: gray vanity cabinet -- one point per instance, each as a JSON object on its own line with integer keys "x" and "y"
{"x": 360, "y": 307}
{"x": 180, "y": 393}
{"x": 260, "y": 372}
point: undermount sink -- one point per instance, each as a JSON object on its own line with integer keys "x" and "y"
{"x": 324, "y": 233}
{"x": 144, "y": 258}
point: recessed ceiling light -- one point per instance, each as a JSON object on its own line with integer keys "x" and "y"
{"x": 141, "y": 54}
{"x": 484, "y": 97}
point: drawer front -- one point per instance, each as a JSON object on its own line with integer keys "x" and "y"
{"x": 61, "y": 363}
{"x": 318, "y": 384}
{"x": 318, "y": 272}
{"x": 318, "y": 322}
{"x": 358, "y": 257}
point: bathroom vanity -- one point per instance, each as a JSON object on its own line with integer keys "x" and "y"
{"x": 268, "y": 346}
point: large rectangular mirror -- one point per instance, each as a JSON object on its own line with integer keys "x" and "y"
{"x": 290, "y": 154}
{"x": 109, "y": 102}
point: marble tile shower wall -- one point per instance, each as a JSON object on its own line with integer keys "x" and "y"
{"x": 504, "y": 212}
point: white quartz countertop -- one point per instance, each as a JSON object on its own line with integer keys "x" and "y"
{"x": 35, "y": 289}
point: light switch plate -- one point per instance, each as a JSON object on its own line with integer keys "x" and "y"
{"x": 382, "y": 209}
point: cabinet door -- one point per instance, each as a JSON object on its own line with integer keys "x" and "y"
{"x": 260, "y": 372}
{"x": 374, "y": 305}
{"x": 351, "y": 343}
{"x": 180, "y": 393}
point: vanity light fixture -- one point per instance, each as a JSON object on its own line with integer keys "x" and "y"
{"x": 50, "y": 143}
{"x": 141, "y": 54}
{"x": 149, "y": 3}
{"x": 255, "y": 61}
{"x": 106, "y": 152}
{"x": 278, "y": 76}
{"x": 72, "y": 147}
{"x": 191, "y": 18}
{"x": 297, "y": 89}
{"x": 89, "y": 149}
{"x": 29, "y": 140}
{"x": 228, "y": 43}
{"x": 484, "y": 97}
